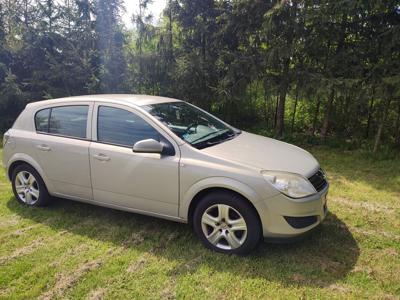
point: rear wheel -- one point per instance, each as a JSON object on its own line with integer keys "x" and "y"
{"x": 28, "y": 186}
{"x": 225, "y": 222}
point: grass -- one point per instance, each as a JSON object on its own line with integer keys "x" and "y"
{"x": 74, "y": 250}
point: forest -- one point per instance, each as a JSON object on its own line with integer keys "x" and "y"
{"x": 322, "y": 71}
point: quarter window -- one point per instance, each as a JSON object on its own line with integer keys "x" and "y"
{"x": 42, "y": 120}
{"x": 121, "y": 127}
{"x": 68, "y": 121}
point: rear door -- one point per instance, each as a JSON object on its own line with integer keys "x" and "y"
{"x": 61, "y": 142}
{"x": 146, "y": 182}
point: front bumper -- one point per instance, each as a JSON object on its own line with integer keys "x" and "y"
{"x": 286, "y": 217}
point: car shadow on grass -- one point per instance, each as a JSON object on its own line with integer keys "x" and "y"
{"x": 320, "y": 259}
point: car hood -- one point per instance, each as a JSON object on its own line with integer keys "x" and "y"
{"x": 265, "y": 153}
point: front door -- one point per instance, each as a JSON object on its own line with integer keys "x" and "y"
{"x": 145, "y": 182}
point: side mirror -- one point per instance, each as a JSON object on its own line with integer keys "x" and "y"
{"x": 148, "y": 146}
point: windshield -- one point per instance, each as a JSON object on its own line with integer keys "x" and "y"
{"x": 192, "y": 125}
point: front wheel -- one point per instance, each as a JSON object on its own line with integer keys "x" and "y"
{"x": 226, "y": 223}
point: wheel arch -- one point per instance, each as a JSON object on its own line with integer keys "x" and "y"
{"x": 13, "y": 166}
{"x": 194, "y": 195}
{"x": 197, "y": 199}
{"x": 21, "y": 158}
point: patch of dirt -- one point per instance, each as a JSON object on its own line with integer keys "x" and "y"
{"x": 5, "y": 292}
{"x": 391, "y": 252}
{"x": 339, "y": 288}
{"x": 187, "y": 267}
{"x": 298, "y": 278}
{"x": 165, "y": 242}
{"x": 88, "y": 221}
{"x": 363, "y": 269}
{"x": 372, "y": 207}
{"x": 23, "y": 250}
{"x": 370, "y": 232}
{"x": 65, "y": 281}
{"x": 169, "y": 291}
{"x": 97, "y": 294}
{"x": 72, "y": 252}
{"x": 135, "y": 239}
{"x": 327, "y": 264}
{"x": 138, "y": 264}
{"x": 387, "y": 297}
{"x": 10, "y": 220}
{"x": 19, "y": 232}
{"x": 376, "y": 233}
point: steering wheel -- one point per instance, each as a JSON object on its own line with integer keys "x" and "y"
{"x": 191, "y": 125}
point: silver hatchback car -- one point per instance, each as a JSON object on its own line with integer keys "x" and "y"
{"x": 165, "y": 158}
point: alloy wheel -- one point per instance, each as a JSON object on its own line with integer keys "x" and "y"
{"x": 27, "y": 187}
{"x": 224, "y": 226}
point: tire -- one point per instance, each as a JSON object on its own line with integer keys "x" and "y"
{"x": 28, "y": 186}
{"x": 225, "y": 222}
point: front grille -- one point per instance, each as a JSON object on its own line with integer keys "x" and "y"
{"x": 301, "y": 222}
{"x": 318, "y": 180}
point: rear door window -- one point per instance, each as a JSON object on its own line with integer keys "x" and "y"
{"x": 70, "y": 121}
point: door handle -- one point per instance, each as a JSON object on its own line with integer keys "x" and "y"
{"x": 101, "y": 157}
{"x": 43, "y": 147}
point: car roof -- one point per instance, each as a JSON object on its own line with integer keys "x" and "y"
{"x": 138, "y": 100}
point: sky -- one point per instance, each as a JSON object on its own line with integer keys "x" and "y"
{"x": 132, "y": 6}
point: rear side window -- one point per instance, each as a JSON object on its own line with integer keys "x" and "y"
{"x": 121, "y": 127}
{"x": 42, "y": 120}
{"x": 68, "y": 121}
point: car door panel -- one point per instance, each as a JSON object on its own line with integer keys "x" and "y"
{"x": 142, "y": 181}
{"x": 66, "y": 164}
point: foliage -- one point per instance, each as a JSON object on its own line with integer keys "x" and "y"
{"x": 326, "y": 69}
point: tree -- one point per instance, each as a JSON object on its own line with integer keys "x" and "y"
{"x": 12, "y": 100}
{"x": 283, "y": 30}
{"x": 110, "y": 40}
{"x": 330, "y": 68}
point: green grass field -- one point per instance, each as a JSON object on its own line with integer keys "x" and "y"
{"x": 74, "y": 250}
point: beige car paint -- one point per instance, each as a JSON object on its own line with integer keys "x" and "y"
{"x": 166, "y": 185}
{"x": 266, "y": 153}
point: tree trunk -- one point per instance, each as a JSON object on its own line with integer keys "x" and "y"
{"x": 381, "y": 125}
{"x": 397, "y": 128}
{"x": 266, "y": 109}
{"x": 346, "y": 121}
{"x": 327, "y": 117}
{"x": 280, "y": 113}
{"x": 314, "y": 128}
{"x": 276, "y": 111}
{"x": 370, "y": 111}
{"x": 26, "y": 15}
{"x": 294, "y": 109}
{"x": 171, "y": 53}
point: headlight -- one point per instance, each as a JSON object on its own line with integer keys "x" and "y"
{"x": 290, "y": 184}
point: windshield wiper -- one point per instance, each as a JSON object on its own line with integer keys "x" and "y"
{"x": 213, "y": 141}
{"x": 218, "y": 132}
